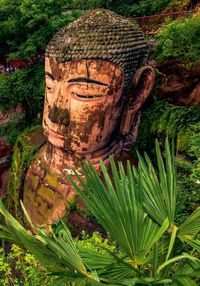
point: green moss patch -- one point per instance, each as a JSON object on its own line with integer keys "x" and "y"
{"x": 26, "y": 146}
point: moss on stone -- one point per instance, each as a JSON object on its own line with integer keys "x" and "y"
{"x": 47, "y": 194}
{"x": 35, "y": 181}
{"x": 52, "y": 181}
{"x": 24, "y": 149}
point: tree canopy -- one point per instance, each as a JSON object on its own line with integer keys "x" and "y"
{"x": 26, "y": 26}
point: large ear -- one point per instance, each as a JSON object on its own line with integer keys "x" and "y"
{"x": 142, "y": 86}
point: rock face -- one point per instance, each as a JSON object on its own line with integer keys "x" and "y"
{"x": 180, "y": 84}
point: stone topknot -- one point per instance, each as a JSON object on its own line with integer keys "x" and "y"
{"x": 100, "y": 34}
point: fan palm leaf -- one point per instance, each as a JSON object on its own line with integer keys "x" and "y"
{"x": 118, "y": 206}
{"x": 191, "y": 226}
{"x": 56, "y": 253}
{"x": 159, "y": 186}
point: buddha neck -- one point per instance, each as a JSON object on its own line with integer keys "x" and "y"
{"x": 60, "y": 161}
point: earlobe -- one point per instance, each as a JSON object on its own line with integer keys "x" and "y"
{"x": 142, "y": 86}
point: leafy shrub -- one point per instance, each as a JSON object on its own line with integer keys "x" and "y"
{"x": 27, "y": 26}
{"x": 23, "y": 86}
{"x": 188, "y": 178}
{"x": 189, "y": 140}
{"x": 19, "y": 267}
{"x": 161, "y": 118}
{"x": 13, "y": 129}
{"x": 97, "y": 242}
{"x": 180, "y": 123}
{"x": 146, "y": 7}
{"x": 179, "y": 40}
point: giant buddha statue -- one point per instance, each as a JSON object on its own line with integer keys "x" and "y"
{"x": 96, "y": 82}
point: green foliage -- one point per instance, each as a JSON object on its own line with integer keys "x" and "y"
{"x": 188, "y": 175}
{"x": 161, "y": 188}
{"x": 19, "y": 267}
{"x": 179, "y": 40}
{"x": 23, "y": 153}
{"x": 161, "y": 119}
{"x": 148, "y": 251}
{"x": 27, "y": 26}
{"x": 23, "y": 86}
{"x": 189, "y": 140}
{"x": 89, "y": 4}
{"x": 96, "y": 242}
{"x": 13, "y": 129}
{"x": 179, "y": 5}
{"x": 134, "y": 8}
{"x": 146, "y": 7}
{"x": 180, "y": 123}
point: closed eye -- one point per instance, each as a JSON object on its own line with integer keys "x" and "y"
{"x": 87, "y": 96}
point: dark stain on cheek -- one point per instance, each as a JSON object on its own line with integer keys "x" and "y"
{"x": 69, "y": 138}
{"x": 60, "y": 116}
{"x": 85, "y": 130}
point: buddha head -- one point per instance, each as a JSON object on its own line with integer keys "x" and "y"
{"x": 95, "y": 82}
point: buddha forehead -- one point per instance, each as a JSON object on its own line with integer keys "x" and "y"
{"x": 90, "y": 71}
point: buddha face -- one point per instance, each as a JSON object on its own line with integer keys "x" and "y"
{"x": 83, "y": 104}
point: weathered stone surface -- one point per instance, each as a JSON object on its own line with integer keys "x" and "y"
{"x": 52, "y": 181}
{"x": 90, "y": 66}
{"x": 35, "y": 181}
{"x": 180, "y": 83}
{"x": 47, "y": 199}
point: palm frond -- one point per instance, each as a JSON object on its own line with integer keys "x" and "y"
{"x": 191, "y": 226}
{"x": 95, "y": 260}
{"x": 184, "y": 256}
{"x": 159, "y": 187}
{"x": 184, "y": 281}
{"x": 118, "y": 206}
{"x": 189, "y": 229}
{"x": 56, "y": 253}
{"x": 194, "y": 243}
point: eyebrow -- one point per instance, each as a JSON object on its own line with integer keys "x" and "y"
{"x": 50, "y": 75}
{"x": 88, "y": 80}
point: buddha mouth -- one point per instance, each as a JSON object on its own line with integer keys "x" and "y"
{"x": 52, "y": 132}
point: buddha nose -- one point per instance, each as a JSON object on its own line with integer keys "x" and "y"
{"x": 59, "y": 115}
